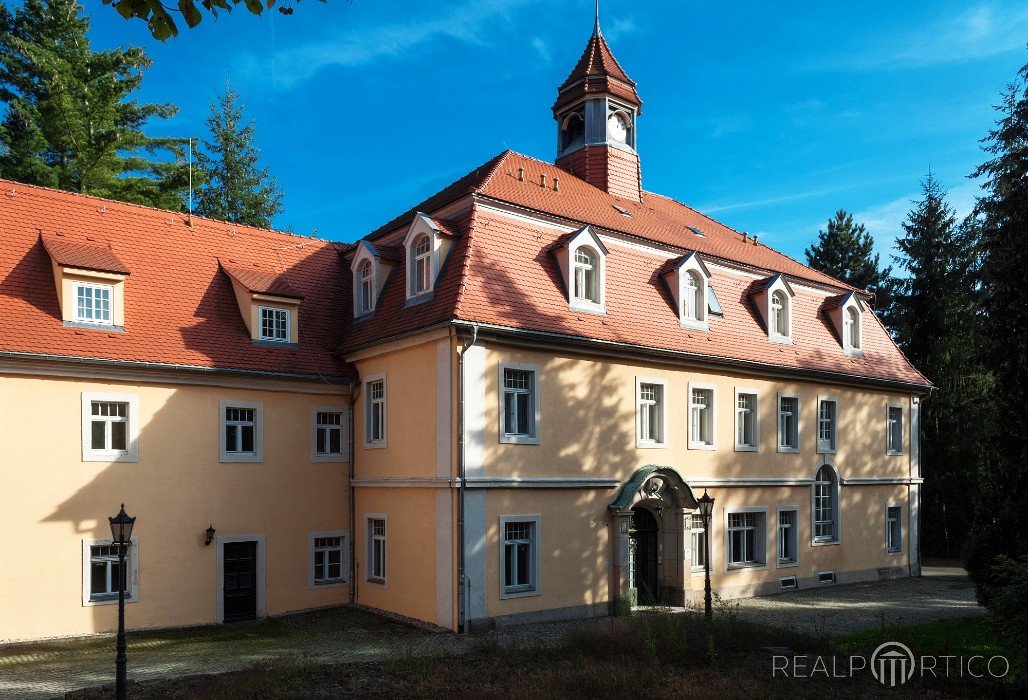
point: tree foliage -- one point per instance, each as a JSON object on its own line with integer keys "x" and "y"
{"x": 160, "y": 16}
{"x": 845, "y": 251}
{"x": 935, "y": 321}
{"x": 71, "y": 121}
{"x": 235, "y": 186}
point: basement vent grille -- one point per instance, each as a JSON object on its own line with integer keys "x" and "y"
{"x": 826, "y": 577}
{"x": 788, "y": 582}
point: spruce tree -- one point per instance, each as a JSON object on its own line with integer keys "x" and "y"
{"x": 235, "y": 186}
{"x": 1001, "y": 524}
{"x": 935, "y": 317}
{"x": 71, "y": 120}
{"x": 845, "y": 251}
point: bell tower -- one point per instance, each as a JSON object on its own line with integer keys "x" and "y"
{"x": 596, "y": 112}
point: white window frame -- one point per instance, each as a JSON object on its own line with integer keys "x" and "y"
{"x": 132, "y": 432}
{"x": 260, "y": 324}
{"x": 344, "y": 559}
{"x": 258, "y": 432}
{"x": 899, "y": 527}
{"x": 851, "y": 328}
{"x": 131, "y": 568}
{"x": 759, "y": 539}
{"x": 383, "y": 580}
{"x": 889, "y": 448}
{"x": 419, "y": 261}
{"x": 799, "y": 425}
{"x": 697, "y": 569}
{"x": 535, "y": 587}
{"x": 831, "y": 447}
{"x": 359, "y": 308}
{"x": 776, "y": 334}
{"x": 532, "y": 438}
{"x": 600, "y": 275}
{"x": 344, "y": 434}
{"x": 108, "y": 288}
{"x": 836, "y": 537}
{"x": 795, "y": 537}
{"x": 694, "y": 443}
{"x": 640, "y": 443}
{"x": 367, "y": 401}
{"x": 755, "y": 416}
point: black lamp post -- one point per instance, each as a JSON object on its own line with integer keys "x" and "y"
{"x": 121, "y": 531}
{"x": 706, "y": 504}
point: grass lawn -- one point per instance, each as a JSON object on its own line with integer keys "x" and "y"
{"x": 659, "y": 655}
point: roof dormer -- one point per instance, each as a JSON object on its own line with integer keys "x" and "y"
{"x": 774, "y": 303}
{"x": 370, "y": 267}
{"x": 582, "y": 258}
{"x": 846, "y": 312}
{"x": 90, "y": 282}
{"x": 426, "y": 245}
{"x": 268, "y": 304}
{"x": 688, "y": 280}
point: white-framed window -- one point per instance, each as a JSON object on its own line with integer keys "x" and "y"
{"x": 825, "y": 508}
{"x": 894, "y": 430}
{"x": 329, "y": 433}
{"x": 697, "y": 542}
{"x": 375, "y": 411}
{"x": 701, "y": 416}
{"x": 376, "y": 554}
{"x": 745, "y": 531}
{"x": 327, "y": 558}
{"x": 827, "y": 424}
{"x": 100, "y": 572}
{"x": 519, "y": 403}
{"x": 274, "y": 324}
{"x": 779, "y": 319}
{"x": 242, "y": 431}
{"x": 366, "y": 288}
{"x": 851, "y": 328}
{"x": 110, "y": 427}
{"x": 747, "y": 420}
{"x": 519, "y": 556}
{"x": 651, "y": 412}
{"x": 788, "y": 536}
{"x": 788, "y": 423}
{"x": 693, "y": 308}
{"x": 585, "y": 277}
{"x": 894, "y": 528}
{"x": 93, "y": 303}
{"x": 421, "y": 262}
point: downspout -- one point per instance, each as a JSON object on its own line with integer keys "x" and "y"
{"x": 920, "y": 472}
{"x": 462, "y": 595}
{"x": 352, "y": 498}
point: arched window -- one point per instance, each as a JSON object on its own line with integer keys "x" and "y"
{"x": 851, "y": 328}
{"x": 584, "y": 278}
{"x": 572, "y": 131}
{"x": 826, "y": 506}
{"x": 367, "y": 287}
{"x": 421, "y": 281}
{"x": 692, "y": 297}
{"x": 779, "y": 314}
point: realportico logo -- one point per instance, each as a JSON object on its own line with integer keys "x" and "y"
{"x": 892, "y": 664}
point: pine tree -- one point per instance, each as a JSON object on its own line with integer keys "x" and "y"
{"x": 236, "y": 188}
{"x": 71, "y": 121}
{"x": 845, "y": 251}
{"x": 1001, "y": 524}
{"x": 935, "y": 317}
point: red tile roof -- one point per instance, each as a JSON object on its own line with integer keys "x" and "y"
{"x": 597, "y": 72}
{"x": 85, "y": 256}
{"x": 259, "y": 280}
{"x": 179, "y": 308}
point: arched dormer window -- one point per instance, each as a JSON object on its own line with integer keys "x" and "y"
{"x": 825, "y": 508}
{"x": 584, "y": 282}
{"x": 851, "y": 328}
{"x": 692, "y": 297}
{"x": 846, "y": 312}
{"x": 366, "y": 300}
{"x": 688, "y": 280}
{"x": 779, "y": 314}
{"x": 421, "y": 278}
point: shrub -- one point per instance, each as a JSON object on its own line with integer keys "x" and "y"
{"x": 1009, "y": 606}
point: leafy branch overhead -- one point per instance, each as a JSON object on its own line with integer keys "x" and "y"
{"x": 160, "y": 17}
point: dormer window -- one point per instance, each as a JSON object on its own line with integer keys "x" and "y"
{"x": 366, "y": 297}
{"x": 692, "y": 297}
{"x": 582, "y": 259}
{"x": 846, "y": 314}
{"x": 774, "y": 302}
{"x": 688, "y": 280}
{"x": 274, "y": 324}
{"x": 779, "y": 314}
{"x": 369, "y": 270}
{"x": 422, "y": 265}
{"x": 586, "y": 271}
{"x": 851, "y": 328}
{"x": 93, "y": 303}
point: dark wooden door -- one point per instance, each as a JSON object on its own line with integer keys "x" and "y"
{"x": 240, "y": 567}
{"x": 643, "y": 534}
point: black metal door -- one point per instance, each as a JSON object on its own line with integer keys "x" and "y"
{"x": 644, "y": 561}
{"x": 240, "y": 567}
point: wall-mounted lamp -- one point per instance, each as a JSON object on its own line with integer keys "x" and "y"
{"x": 210, "y": 536}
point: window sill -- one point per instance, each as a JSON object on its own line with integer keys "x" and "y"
{"x": 587, "y": 308}
{"x": 780, "y": 339}
{"x": 893, "y": 552}
{"x": 380, "y": 445}
{"x": 702, "y": 446}
{"x": 650, "y": 445}
{"x": 756, "y": 566}
{"x": 826, "y": 451}
{"x": 894, "y": 454}
{"x": 363, "y": 315}
{"x": 107, "y": 600}
{"x": 328, "y": 458}
{"x": 788, "y": 450}
{"x": 330, "y": 583}
{"x": 240, "y": 457}
{"x": 526, "y": 593}
{"x": 747, "y": 448}
{"x": 824, "y": 543}
{"x": 786, "y": 564}
{"x": 99, "y": 456}
{"x": 695, "y": 326}
{"x": 277, "y": 344}
{"x": 519, "y": 440}
{"x": 376, "y": 582}
{"x": 104, "y": 327}
{"x": 419, "y": 298}
{"x": 857, "y": 353}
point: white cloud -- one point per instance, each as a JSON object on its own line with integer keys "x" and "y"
{"x": 542, "y": 49}
{"x": 620, "y": 28}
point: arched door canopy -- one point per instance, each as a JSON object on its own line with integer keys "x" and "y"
{"x": 654, "y": 481}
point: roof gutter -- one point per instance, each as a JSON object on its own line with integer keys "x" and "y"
{"x": 534, "y": 338}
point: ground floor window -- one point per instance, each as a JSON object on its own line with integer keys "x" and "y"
{"x": 519, "y": 555}
{"x": 377, "y": 549}
{"x": 102, "y": 572}
{"x": 745, "y": 539}
{"x": 328, "y": 558}
{"x": 894, "y": 529}
{"x": 787, "y": 537}
{"x": 699, "y": 544}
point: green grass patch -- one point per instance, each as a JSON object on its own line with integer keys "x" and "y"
{"x": 960, "y": 636}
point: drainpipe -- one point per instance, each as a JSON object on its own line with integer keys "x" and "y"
{"x": 462, "y": 595}
{"x": 920, "y": 472}
{"x": 352, "y": 498}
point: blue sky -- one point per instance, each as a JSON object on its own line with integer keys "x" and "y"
{"x": 767, "y": 116}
